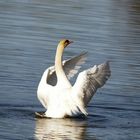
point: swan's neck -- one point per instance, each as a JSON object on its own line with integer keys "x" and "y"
{"x": 61, "y": 76}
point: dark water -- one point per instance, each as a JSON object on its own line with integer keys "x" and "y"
{"x": 29, "y": 33}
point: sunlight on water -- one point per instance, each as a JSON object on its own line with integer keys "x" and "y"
{"x": 60, "y": 128}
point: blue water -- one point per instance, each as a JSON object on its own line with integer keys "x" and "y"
{"x": 29, "y": 33}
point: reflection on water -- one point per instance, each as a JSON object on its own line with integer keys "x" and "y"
{"x": 60, "y": 129}
{"x": 29, "y": 33}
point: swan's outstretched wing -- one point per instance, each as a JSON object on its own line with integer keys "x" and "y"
{"x": 71, "y": 67}
{"x": 89, "y": 81}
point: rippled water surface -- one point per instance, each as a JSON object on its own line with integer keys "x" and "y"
{"x": 29, "y": 33}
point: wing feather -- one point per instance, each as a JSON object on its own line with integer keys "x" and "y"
{"x": 89, "y": 81}
{"x": 71, "y": 66}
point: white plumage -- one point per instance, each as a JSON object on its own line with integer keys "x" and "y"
{"x": 56, "y": 93}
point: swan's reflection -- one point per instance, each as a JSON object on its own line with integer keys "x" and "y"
{"x": 60, "y": 129}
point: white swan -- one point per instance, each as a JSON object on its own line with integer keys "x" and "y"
{"x": 55, "y": 91}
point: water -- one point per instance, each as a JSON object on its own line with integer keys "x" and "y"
{"x": 29, "y": 33}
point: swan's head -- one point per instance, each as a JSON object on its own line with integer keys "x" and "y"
{"x": 65, "y": 42}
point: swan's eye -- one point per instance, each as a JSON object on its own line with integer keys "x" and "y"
{"x": 67, "y": 41}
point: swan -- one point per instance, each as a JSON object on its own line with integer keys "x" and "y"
{"x": 59, "y": 96}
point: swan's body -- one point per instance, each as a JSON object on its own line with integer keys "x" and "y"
{"x": 55, "y": 91}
